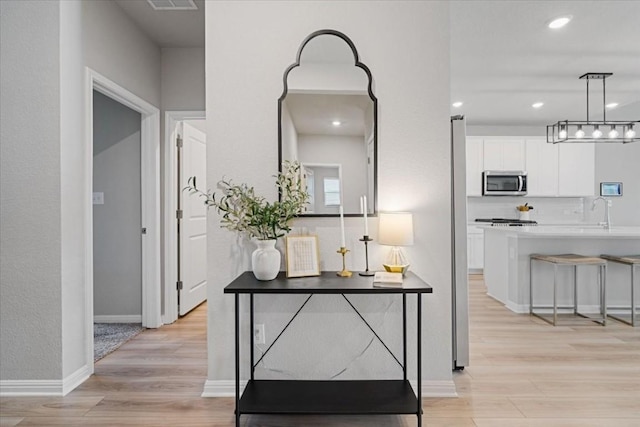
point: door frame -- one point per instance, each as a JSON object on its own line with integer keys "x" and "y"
{"x": 170, "y": 191}
{"x": 150, "y": 199}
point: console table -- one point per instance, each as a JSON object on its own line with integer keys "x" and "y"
{"x": 359, "y": 397}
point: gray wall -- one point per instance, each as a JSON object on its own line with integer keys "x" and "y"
{"x": 182, "y": 78}
{"x": 619, "y": 162}
{"x": 414, "y": 175}
{"x": 30, "y": 266}
{"x": 117, "y": 272}
{"x": 44, "y": 48}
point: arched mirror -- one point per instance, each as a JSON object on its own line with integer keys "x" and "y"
{"x": 327, "y": 121}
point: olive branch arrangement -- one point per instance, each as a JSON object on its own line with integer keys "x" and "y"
{"x": 250, "y": 214}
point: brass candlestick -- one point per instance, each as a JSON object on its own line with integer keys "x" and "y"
{"x": 344, "y": 273}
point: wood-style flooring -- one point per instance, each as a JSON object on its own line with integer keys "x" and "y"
{"x": 523, "y": 373}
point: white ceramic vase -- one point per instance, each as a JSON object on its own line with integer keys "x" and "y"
{"x": 265, "y": 260}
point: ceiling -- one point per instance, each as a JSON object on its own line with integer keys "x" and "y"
{"x": 167, "y": 28}
{"x": 503, "y": 56}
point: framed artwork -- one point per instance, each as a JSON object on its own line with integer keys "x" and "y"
{"x": 302, "y": 256}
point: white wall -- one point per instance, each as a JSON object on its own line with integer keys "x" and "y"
{"x": 619, "y": 162}
{"x": 289, "y": 135}
{"x": 117, "y": 244}
{"x": 348, "y": 151}
{"x": 410, "y": 66}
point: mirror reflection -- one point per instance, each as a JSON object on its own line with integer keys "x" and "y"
{"x": 327, "y": 122}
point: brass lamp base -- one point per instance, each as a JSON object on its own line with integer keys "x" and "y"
{"x": 396, "y": 268}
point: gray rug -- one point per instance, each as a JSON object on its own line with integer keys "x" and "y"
{"x": 107, "y": 337}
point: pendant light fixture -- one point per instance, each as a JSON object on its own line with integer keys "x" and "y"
{"x": 603, "y": 131}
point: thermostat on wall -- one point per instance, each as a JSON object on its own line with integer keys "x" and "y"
{"x": 611, "y": 189}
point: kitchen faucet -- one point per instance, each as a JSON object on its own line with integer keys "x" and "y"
{"x": 607, "y": 213}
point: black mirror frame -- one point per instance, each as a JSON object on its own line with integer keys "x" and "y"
{"x": 375, "y": 113}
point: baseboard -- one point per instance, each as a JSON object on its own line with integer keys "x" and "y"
{"x": 75, "y": 379}
{"x": 221, "y": 388}
{"x": 227, "y": 388}
{"x": 517, "y": 308}
{"x": 125, "y": 318}
{"x": 437, "y": 388}
{"x": 45, "y": 387}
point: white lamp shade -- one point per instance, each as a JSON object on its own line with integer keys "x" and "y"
{"x": 395, "y": 229}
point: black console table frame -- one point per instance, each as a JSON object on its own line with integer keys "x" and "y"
{"x": 339, "y": 397}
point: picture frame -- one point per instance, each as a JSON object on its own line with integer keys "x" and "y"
{"x": 302, "y": 256}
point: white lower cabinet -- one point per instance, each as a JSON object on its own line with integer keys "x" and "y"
{"x": 475, "y": 248}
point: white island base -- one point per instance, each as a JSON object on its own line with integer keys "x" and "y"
{"x": 506, "y": 265}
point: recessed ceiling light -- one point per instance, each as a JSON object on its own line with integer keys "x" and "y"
{"x": 612, "y": 105}
{"x": 559, "y": 22}
{"x": 457, "y": 104}
{"x": 537, "y": 104}
{"x": 336, "y": 122}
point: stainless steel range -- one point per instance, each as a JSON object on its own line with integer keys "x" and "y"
{"x": 507, "y": 222}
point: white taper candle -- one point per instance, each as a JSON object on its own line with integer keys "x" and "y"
{"x": 342, "y": 241}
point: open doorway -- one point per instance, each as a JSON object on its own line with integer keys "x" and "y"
{"x": 148, "y": 204}
{"x": 117, "y": 224}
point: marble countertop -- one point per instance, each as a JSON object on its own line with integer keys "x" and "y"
{"x": 584, "y": 231}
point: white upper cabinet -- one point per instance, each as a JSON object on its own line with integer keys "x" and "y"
{"x": 553, "y": 170}
{"x": 504, "y": 154}
{"x": 474, "y": 166}
{"x": 542, "y": 167}
{"x": 576, "y": 169}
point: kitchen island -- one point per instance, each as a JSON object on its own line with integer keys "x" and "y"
{"x": 506, "y": 263}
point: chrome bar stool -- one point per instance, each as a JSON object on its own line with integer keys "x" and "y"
{"x": 632, "y": 261}
{"x": 569, "y": 260}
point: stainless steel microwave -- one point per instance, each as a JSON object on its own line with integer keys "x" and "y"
{"x": 504, "y": 183}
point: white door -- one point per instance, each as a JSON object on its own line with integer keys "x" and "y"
{"x": 192, "y": 226}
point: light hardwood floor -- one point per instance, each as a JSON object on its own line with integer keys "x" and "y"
{"x": 523, "y": 372}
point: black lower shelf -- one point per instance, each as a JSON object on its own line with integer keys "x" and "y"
{"x": 328, "y": 397}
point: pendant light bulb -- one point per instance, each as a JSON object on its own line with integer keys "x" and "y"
{"x": 597, "y": 133}
{"x": 613, "y": 133}
{"x": 630, "y": 133}
{"x": 563, "y": 132}
{"x": 579, "y": 132}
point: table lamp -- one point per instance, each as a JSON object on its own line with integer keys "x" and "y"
{"x": 395, "y": 229}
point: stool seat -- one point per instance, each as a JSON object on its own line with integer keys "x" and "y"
{"x": 624, "y": 259}
{"x": 570, "y": 259}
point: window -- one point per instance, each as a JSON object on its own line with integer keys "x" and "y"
{"x": 332, "y": 192}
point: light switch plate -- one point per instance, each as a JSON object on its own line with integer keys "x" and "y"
{"x": 98, "y": 198}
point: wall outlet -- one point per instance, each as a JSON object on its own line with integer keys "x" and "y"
{"x": 98, "y": 198}
{"x": 258, "y": 333}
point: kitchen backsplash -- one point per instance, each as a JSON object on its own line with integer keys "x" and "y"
{"x": 556, "y": 210}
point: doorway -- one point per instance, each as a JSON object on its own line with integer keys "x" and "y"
{"x": 117, "y": 222}
{"x": 149, "y": 206}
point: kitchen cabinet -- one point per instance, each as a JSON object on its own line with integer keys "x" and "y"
{"x": 542, "y": 167}
{"x": 474, "y": 166}
{"x": 576, "y": 169}
{"x": 475, "y": 248}
{"x": 553, "y": 170}
{"x": 504, "y": 154}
